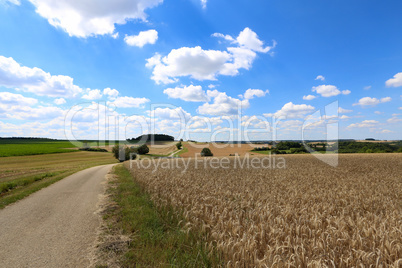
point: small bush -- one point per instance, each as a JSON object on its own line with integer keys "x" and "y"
{"x": 93, "y": 149}
{"x": 179, "y": 145}
{"x": 206, "y": 152}
{"x": 143, "y": 149}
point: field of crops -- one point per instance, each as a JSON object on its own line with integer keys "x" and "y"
{"x": 305, "y": 215}
{"x": 17, "y": 147}
{"x": 23, "y": 175}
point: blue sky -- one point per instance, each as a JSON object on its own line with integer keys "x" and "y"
{"x": 187, "y": 68}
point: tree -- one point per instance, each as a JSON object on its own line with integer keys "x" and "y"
{"x": 122, "y": 153}
{"x": 179, "y": 145}
{"x": 206, "y": 152}
{"x": 143, "y": 149}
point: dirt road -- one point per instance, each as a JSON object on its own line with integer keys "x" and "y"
{"x": 55, "y": 227}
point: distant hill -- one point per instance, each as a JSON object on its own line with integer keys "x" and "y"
{"x": 151, "y": 137}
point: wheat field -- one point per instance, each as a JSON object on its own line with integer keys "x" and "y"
{"x": 305, "y": 215}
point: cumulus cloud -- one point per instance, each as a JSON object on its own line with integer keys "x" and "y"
{"x": 329, "y": 91}
{"x": 290, "y": 110}
{"x": 222, "y": 104}
{"x": 11, "y": 99}
{"x": 143, "y": 38}
{"x": 94, "y": 94}
{"x": 35, "y": 80}
{"x": 320, "y": 77}
{"x": 111, "y": 93}
{"x": 396, "y": 81}
{"x": 170, "y": 113}
{"x": 16, "y": 106}
{"x": 367, "y": 87}
{"x": 187, "y": 93}
{"x": 364, "y": 124}
{"x": 251, "y": 93}
{"x": 204, "y": 3}
{"x": 344, "y": 111}
{"x": 83, "y": 18}
{"x": 367, "y": 101}
{"x": 128, "y": 102}
{"x": 309, "y": 97}
{"x": 60, "y": 101}
{"x": 203, "y": 64}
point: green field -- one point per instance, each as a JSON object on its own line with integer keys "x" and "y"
{"x": 21, "y": 147}
{"x": 22, "y": 175}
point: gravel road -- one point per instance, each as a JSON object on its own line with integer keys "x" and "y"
{"x": 56, "y": 226}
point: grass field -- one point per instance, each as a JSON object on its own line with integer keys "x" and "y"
{"x": 305, "y": 215}
{"x": 20, "y": 148}
{"x": 23, "y": 175}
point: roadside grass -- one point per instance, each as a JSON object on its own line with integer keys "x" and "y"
{"x": 182, "y": 151}
{"x": 157, "y": 235}
{"x": 21, "y": 176}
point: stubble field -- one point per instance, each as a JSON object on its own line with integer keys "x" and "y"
{"x": 305, "y": 215}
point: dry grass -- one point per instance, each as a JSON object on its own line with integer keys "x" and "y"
{"x": 220, "y": 149}
{"x": 307, "y": 215}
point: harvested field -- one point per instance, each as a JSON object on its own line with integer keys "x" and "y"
{"x": 305, "y": 215}
{"x": 220, "y": 149}
{"x": 162, "y": 148}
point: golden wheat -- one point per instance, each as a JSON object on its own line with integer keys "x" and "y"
{"x": 306, "y": 215}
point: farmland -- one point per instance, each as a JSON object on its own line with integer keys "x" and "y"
{"x": 218, "y": 149}
{"x": 307, "y": 214}
{"x": 23, "y": 175}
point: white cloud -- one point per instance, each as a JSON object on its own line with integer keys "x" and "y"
{"x": 35, "y": 80}
{"x": 367, "y": 101}
{"x": 60, "y": 101}
{"x": 343, "y": 117}
{"x": 203, "y": 64}
{"x": 128, "y": 102}
{"x": 367, "y": 87}
{"x": 249, "y": 39}
{"x": 170, "y": 113}
{"x": 226, "y": 37}
{"x": 195, "y": 62}
{"x": 143, "y": 38}
{"x": 15, "y": 2}
{"x": 251, "y": 93}
{"x": 394, "y": 120}
{"x": 16, "y": 106}
{"x": 378, "y": 112}
{"x": 400, "y": 108}
{"x": 204, "y": 3}
{"x": 320, "y": 77}
{"x": 396, "y": 81}
{"x": 386, "y": 131}
{"x": 290, "y": 110}
{"x": 329, "y": 91}
{"x": 83, "y": 18}
{"x": 111, "y": 93}
{"x": 343, "y": 111}
{"x": 364, "y": 124}
{"x": 187, "y": 93}
{"x": 11, "y": 99}
{"x": 309, "y": 97}
{"x": 222, "y": 104}
{"x": 94, "y": 94}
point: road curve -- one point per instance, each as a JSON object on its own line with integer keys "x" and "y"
{"x": 56, "y": 226}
